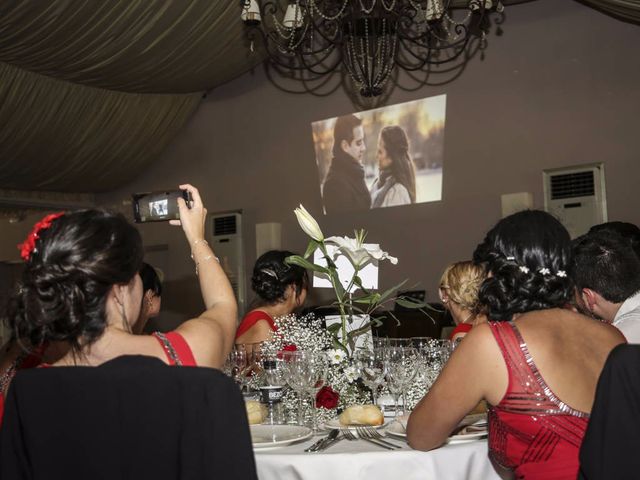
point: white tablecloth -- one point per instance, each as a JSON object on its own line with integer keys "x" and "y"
{"x": 359, "y": 460}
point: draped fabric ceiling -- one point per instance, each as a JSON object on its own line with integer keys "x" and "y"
{"x": 91, "y": 91}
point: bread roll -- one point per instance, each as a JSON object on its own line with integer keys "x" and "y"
{"x": 361, "y": 415}
{"x": 256, "y": 412}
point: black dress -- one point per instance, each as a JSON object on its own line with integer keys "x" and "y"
{"x": 611, "y": 445}
{"x": 133, "y": 417}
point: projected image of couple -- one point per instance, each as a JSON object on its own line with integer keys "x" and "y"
{"x": 381, "y": 158}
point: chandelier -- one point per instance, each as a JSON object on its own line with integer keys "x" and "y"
{"x": 309, "y": 40}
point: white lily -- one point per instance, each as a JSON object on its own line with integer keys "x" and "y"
{"x": 308, "y": 224}
{"x": 358, "y": 252}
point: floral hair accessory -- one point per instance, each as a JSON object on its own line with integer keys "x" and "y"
{"x": 524, "y": 269}
{"x": 561, "y": 273}
{"x": 29, "y": 245}
{"x": 545, "y": 271}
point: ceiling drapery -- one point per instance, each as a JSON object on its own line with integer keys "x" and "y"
{"x": 91, "y": 92}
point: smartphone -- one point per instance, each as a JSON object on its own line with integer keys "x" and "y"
{"x": 158, "y": 206}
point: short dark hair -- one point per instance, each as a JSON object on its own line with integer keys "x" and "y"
{"x": 66, "y": 281}
{"x": 271, "y": 276}
{"x": 626, "y": 230}
{"x": 528, "y": 255}
{"x": 343, "y": 130}
{"x": 150, "y": 280}
{"x": 606, "y": 263}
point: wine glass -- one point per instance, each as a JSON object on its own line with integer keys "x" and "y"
{"x": 370, "y": 365}
{"x": 317, "y": 368}
{"x": 295, "y": 372}
{"x": 400, "y": 367}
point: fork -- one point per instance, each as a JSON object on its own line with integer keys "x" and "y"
{"x": 370, "y": 432}
{"x": 348, "y": 434}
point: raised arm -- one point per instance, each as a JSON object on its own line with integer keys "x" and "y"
{"x": 210, "y": 335}
{"x": 474, "y": 371}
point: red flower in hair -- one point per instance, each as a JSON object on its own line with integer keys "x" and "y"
{"x": 28, "y": 246}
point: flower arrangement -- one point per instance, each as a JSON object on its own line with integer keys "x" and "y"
{"x": 308, "y": 334}
{"x": 366, "y": 303}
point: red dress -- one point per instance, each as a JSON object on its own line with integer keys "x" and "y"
{"x": 531, "y": 431}
{"x": 250, "y": 320}
{"x": 174, "y": 345}
{"x": 461, "y": 328}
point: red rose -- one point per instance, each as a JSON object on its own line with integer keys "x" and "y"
{"x": 287, "y": 348}
{"x": 327, "y": 398}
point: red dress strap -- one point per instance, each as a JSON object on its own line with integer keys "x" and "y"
{"x": 250, "y": 320}
{"x": 176, "y": 348}
{"x": 461, "y": 328}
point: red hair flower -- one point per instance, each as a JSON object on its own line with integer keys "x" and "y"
{"x": 29, "y": 245}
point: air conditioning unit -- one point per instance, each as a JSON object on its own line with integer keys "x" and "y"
{"x": 226, "y": 240}
{"x": 576, "y": 196}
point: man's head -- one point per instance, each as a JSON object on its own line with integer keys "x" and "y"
{"x": 624, "y": 229}
{"x": 348, "y": 137}
{"x": 606, "y": 271}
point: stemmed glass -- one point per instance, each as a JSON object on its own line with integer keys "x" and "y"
{"x": 306, "y": 373}
{"x": 400, "y": 366}
{"x": 370, "y": 365}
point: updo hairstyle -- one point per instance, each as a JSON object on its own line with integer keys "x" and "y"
{"x": 527, "y": 255}
{"x": 461, "y": 281}
{"x": 68, "y": 277}
{"x": 272, "y": 276}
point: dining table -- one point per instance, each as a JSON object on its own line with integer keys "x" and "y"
{"x": 360, "y": 460}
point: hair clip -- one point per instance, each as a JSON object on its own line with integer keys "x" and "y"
{"x": 561, "y": 273}
{"x": 269, "y": 272}
{"x": 524, "y": 269}
{"x": 511, "y": 259}
{"x": 544, "y": 271}
{"x": 29, "y": 245}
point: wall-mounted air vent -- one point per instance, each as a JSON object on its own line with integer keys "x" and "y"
{"x": 224, "y": 225}
{"x": 576, "y": 196}
{"x": 568, "y": 185}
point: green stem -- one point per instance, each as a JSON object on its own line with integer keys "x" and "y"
{"x": 335, "y": 279}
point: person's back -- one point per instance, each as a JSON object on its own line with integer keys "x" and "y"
{"x": 131, "y": 417}
{"x": 535, "y": 362}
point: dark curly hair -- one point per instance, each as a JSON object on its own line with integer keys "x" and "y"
{"x": 67, "y": 279}
{"x": 272, "y": 276}
{"x": 515, "y": 251}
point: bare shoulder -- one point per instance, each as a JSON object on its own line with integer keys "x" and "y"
{"x": 259, "y": 332}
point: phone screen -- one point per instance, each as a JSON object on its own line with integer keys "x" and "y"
{"x": 157, "y": 206}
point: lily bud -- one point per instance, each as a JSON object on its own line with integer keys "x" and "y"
{"x": 308, "y": 224}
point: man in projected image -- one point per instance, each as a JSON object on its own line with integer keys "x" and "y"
{"x": 344, "y": 187}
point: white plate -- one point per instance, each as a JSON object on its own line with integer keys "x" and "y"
{"x": 269, "y": 436}
{"x": 334, "y": 424}
{"x": 398, "y": 429}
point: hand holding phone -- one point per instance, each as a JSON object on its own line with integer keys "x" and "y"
{"x": 159, "y": 206}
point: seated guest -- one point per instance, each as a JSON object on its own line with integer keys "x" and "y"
{"x": 151, "y": 296}
{"x": 281, "y": 288}
{"x": 535, "y": 363}
{"x": 459, "y": 287}
{"x": 610, "y": 446}
{"x": 133, "y": 417}
{"x": 80, "y": 294}
{"x": 606, "y": 272}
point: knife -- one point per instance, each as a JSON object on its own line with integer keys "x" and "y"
{"x": 323, "y": 442}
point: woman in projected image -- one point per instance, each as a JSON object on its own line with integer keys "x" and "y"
{"x": 396, "y": 182}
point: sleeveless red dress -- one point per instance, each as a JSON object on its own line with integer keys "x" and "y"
{"x": 250, "y": 320}
{"x": 174, "y": 345}
{"x": 531, "y": 431}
